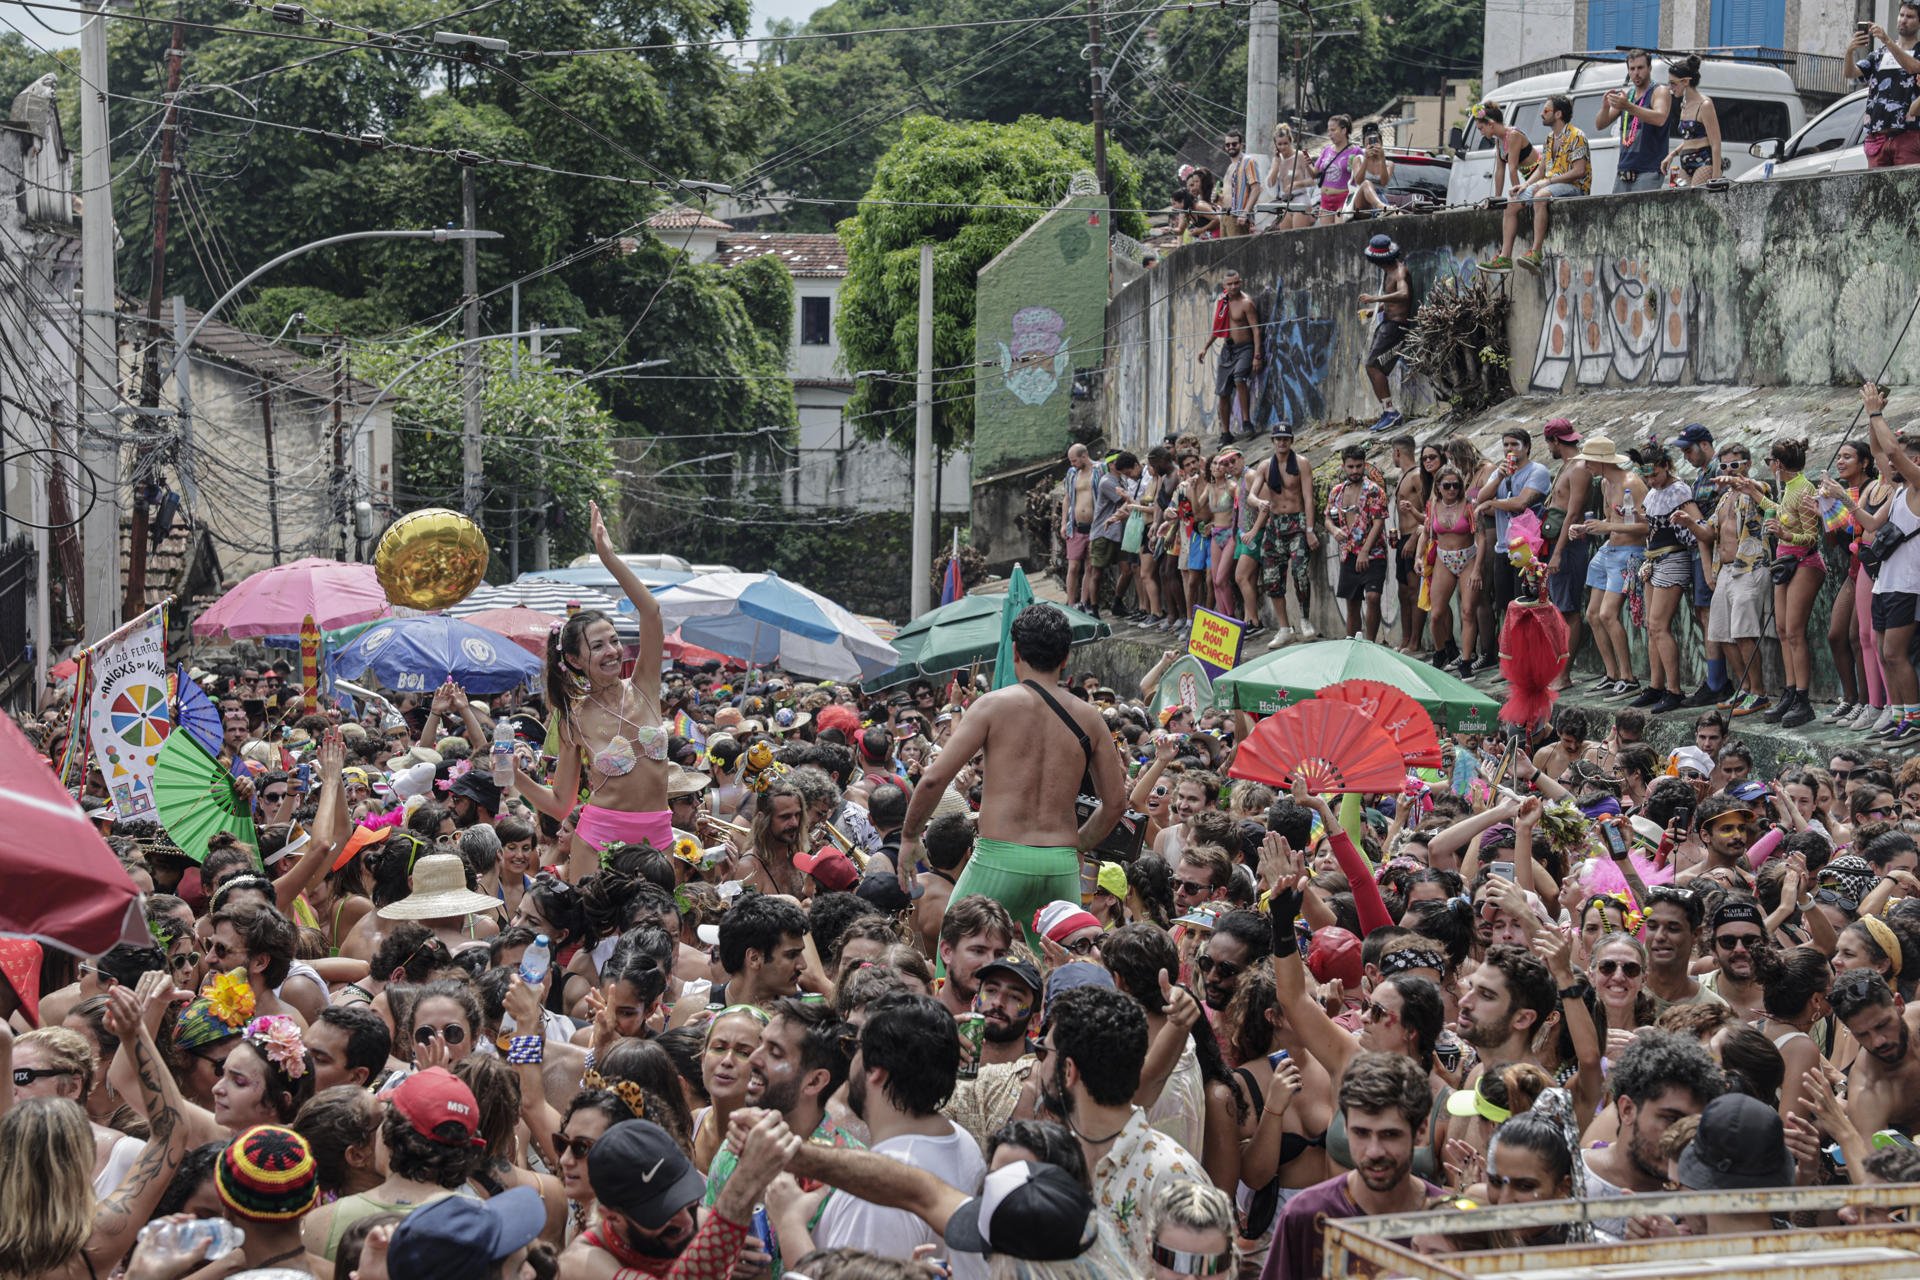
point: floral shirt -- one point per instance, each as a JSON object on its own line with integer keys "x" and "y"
{"x": 1563, "y": 150}
{"x": 981, "y": 1105}
{"x": 1354, "y": 521}
{"x": 1124, "y": 1180}
{"x": 1890, "y": 91}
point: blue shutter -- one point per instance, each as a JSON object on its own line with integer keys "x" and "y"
{"x": 1748, "y": 24}
{"x": 1632, "y": 23}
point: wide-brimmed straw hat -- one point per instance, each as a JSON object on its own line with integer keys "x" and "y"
{"x": 439, "y": 892}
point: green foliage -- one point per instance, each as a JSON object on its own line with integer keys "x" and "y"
{"x": 951, "y": 166}
{"x": 542, "y": 440}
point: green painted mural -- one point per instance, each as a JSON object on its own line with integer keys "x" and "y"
{"x": 1039, "y": 308}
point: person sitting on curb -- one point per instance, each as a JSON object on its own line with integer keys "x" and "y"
{"x": 1565, "y": 170}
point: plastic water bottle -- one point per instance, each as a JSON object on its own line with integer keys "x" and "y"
{"x": 502, "y": 753}
{"x": 180, "y": 1239}
{"x": 535, "y": 962}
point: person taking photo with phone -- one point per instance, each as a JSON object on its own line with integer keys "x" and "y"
{"x": 1889, "y": 68}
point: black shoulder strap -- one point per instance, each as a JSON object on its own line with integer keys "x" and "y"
{"x": 1086, "y": 743}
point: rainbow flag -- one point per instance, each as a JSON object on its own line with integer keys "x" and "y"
{"x": 685, "y": 726}
{"x": 951, "y": 588}
{"x": 1834, "y": 514}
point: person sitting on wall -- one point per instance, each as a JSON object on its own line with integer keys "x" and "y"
{"x": 1566, "y": 169}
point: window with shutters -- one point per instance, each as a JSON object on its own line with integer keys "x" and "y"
{"x": 1747, "y": 24}
{"x": 1630, "y": 23}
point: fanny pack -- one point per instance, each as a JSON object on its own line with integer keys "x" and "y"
{"x": 1878, "y": 549}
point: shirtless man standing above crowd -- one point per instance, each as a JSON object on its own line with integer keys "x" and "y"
{"x": 1239, "y": 356}
{"x": 1288, "y": 542}
{"x": 1043, "y": 750}
{"x": 1076, "y": 524}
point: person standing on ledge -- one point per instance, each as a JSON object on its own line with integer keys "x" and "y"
{"x": 1042, "y": 752}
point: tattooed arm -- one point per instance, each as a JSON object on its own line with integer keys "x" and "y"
{"x": 117, "y": 1218}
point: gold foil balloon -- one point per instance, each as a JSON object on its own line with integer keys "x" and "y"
{"x": 430, "y": 559}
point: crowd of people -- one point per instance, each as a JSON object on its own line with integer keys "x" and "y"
{"x": 1629, "y": 540}
{"x": 1012, "y": 983}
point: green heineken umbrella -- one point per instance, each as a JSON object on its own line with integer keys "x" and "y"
{"x": 1275, "y": 680}
{"x": 1019, "y": 596}
{"x": 968, "y": 631}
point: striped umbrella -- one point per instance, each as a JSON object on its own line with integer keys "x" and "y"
{"x": 551, "y": 599}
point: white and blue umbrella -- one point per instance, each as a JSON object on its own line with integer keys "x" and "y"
{"x": 762, "y": 618}
{"x": 415, "y": 655}
{"x": 543, "y": 595}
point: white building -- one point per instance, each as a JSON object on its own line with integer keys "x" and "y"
{"x": 1526, "y": 37}
{"x": 833, "y": 467}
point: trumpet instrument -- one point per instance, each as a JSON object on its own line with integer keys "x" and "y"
{"x": 825, "y": 832}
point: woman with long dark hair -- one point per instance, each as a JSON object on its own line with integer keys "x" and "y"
{"x": 1862, "y": 493}
{"x": 612, "y": 722}
{"x": 1798, "y": 571}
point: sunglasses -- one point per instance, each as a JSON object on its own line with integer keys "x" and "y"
{"x": 1735, "y": 941}
{"x": 1209, "y": 966}
{"x": 579, "y": 1148}
{"x": 1450, "y": 487}
{"x": 273, "y": 797}
{"x": 1192, "y": 887}
{"x": 221, "y": 951}
{"x": 24, "y": 1076}
{"x": 186, "y": 961}
{"x": 1880, "y": 811}
{"x": 1841, "y": 775}
{"x": 1374, "y": 1011}
{"x": 452, "y": 1033}
{"x": 1607, "y": 968}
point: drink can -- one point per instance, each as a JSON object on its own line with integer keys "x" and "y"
{"x": 973, "y": 1029}
{"x": 1277, "y": 1057}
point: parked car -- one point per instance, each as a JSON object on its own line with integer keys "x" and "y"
{"x": 1754, "y": 102}
{"x": 1831, "y": 143}
{"x": 1419, "y": 181}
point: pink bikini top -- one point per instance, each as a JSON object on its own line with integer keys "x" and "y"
{"x": 1465, "y": 524}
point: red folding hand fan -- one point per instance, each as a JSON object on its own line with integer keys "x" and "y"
{"x": 1330, "y": 745}
{"x": 1394, "y": 710}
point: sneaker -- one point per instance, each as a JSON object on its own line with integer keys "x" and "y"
{"x": 1444, "y": 658}
{"x": 1282, "y": 637}
{"x": 1865, "y": 718}
{"x": 1307, "y": 632}
{"x": 1386, "y": 421}
{"x": 1255, "y": 630}
{"x": 1904, "y": 730}
{"x": 1486, "y": 662}
{"x": 1530, "y": 260}
{"x": 1601, "y": 683}
{"x": 1463, "y": 669}
{"x": 1499, "y": 262}
{"x": 1752, "y": 704}
{"x": 1801, "y": 713}
{"x": 1653, "y": 694}
{"x": 1882, "y": 721}
{"x": 1843, "y": 712}
{"x": 1704, "y": 696}
{"x": 1733, "y": 700}
{"x": 1623, "y": 688}
{"x": 1670, "y": 700}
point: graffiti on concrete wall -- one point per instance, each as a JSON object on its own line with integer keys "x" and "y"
{"x": 1299, "y": 347}
{"x": 1607, "y": 320}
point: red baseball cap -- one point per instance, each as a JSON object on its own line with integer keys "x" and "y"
{"x": 1335, "y": 953}
{"x": 430, "y": 1098}
{"x": 833, "y": 869}
{"x": 1563, "y": 430}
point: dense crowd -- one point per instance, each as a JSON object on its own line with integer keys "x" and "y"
{"x": 767, "y": 1022}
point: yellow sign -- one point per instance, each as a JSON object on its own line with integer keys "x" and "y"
{"x": 1215, "y": 640}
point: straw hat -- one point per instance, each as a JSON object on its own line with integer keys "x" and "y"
{"x": 686, "y": 782}
{"x": 413, "y": 755}
{"x": 439, "y": 892}
{"x": 1599, "y": 451}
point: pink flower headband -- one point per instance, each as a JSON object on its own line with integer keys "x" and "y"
{"x": 277, "y": 1037}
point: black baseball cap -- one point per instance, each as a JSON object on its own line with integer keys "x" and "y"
{"x": 1019, "y": 966}
{"x": 445, "y": 1238}
{"x": 637, "y": 1170}
{"x": 1740, "y": 1146}
{"x": 1038, "y": 1212}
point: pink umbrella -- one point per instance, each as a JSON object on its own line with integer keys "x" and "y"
{"x": 273, "y": 602}
{"x": 527, "y": 628}
{"x": 64, "y": 886}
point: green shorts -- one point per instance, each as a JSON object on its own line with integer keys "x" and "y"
{"x": 1103, "y": 552}
{"x": 1021, "y": 877}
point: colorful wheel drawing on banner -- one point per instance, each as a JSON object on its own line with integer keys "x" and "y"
{"x": 139, "y": 717}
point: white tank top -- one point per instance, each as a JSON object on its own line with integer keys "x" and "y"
{"x": 1901, "y": 572}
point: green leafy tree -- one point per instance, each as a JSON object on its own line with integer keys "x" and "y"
{"x": 955, "y": 183}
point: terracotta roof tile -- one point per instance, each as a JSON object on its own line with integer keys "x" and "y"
{"x": 807, "y": 254}
{"x": 682, "y": 217}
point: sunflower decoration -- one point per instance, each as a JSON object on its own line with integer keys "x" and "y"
{"x": 229, "y": 998}
{"x": 688, "y": 850}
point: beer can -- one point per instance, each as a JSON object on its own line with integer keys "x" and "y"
{"x": 973, "y": 1029}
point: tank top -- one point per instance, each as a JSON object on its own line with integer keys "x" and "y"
{"x": 1642, "y": 146}
{"x": 1901, "y": 572}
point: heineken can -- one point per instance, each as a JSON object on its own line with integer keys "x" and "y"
{"x": 973, "y": 1030}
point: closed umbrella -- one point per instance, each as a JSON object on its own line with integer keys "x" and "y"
{"x": 1019, "y": 596}
{"x": 762, "y": 618}
{"x": 1275, "y": 680}
{"x": 552, "y": 599}
{"x": 273, "y": 602}
{"x": 64, "y": 887}
{"x": 969, "y": 631}
{"x": 415, "y": 655}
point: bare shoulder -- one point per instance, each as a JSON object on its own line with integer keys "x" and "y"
{"x": 583, "y": 1261}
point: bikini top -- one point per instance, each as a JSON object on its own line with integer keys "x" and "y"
{"x": 620, "y": 755}
{"x": 1463, "y": 525}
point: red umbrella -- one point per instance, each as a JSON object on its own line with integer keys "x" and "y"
{"x": 693, "y": 655}
{"x": 273, "y": 602}
{"x": 527, "y": 628}
{"x": 64, "y": 887}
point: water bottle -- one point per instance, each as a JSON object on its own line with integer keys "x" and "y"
{"x": 502, "y": 753}
{"x": 537, "y": 959}
{"x": 178, "y": 1240}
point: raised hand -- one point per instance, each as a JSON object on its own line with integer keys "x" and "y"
{"x": 1283, "y": 1087}
{"x": 1279, "y": 864}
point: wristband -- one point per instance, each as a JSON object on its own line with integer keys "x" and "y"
{"x": 527, "y": 1051}
{"x": 1577, "y": 991}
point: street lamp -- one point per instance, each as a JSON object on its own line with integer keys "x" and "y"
{"x": 608, "y": 373}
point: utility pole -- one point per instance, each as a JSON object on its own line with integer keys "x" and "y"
{"x": 923, "y": 420}
{"x": 273, "y": 469}
{"x": 156, "y": 293}
{"x": 472, "y": 362}
{"x": 542, "y": 535}
{"x": 99, "y": 346}
{"x": 1099, "y": 81}
{"x": 1263, "y": 76}
{"x": 341, "y": 484}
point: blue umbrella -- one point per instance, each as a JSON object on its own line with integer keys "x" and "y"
{"x": 761, "y": 618}
{"x": 414, "y": 655}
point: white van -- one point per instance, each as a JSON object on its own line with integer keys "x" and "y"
{"x": 1753, "y": 102}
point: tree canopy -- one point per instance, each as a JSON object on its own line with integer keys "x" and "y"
{"x": 969, "y": 190}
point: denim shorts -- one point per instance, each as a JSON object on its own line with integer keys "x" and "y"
{"x": 1556, "y": 191}
{"x": 1612, "y": 566}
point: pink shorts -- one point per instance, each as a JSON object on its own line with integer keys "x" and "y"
{"x": 1333, "y": 201}
{"x": 1077, "y": 546}
{"x": 601, "y": 827}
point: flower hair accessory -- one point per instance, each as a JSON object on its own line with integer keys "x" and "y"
{"x": 230, "y": 998}
{"x": 277, "y": 1037}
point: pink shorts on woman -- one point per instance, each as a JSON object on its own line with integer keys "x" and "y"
{"x": 600, "y": 827}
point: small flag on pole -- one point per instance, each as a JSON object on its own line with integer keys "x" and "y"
{"x": 951, "y": 587}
